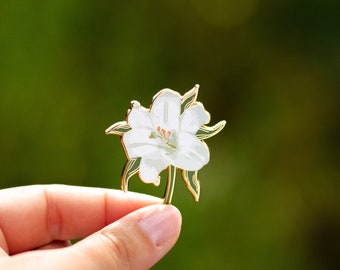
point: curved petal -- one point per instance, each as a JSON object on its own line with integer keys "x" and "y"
{"x": 193, "y": 118}
{"x": 139, "y": 117}
{"x": 137, "y": 142}
{"x": 191, "y": 154}
{"x": 150, "y": 168}
{"x": 165, "y": 110}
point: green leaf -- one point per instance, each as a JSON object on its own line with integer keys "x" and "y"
{"x": 192, "y": 183}
{"x": 206, "y": 132}
{"x": 118, "y": 128}
{"x": 189, "y": 98}
{"x": 130, "y": 169}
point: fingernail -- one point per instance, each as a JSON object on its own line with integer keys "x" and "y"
{"x": 161, "y": 224}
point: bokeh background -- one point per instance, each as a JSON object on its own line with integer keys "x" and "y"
{"x": 269, "y": 196}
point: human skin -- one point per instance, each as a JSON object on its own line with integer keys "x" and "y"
{"x": 118, "y": 230}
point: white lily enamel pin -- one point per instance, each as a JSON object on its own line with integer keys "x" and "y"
{"x": 169, "y": 135}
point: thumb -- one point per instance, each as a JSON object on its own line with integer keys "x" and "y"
{"x": 136, "y": 241}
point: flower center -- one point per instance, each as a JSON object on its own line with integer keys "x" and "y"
{"x": 166, "y": 136}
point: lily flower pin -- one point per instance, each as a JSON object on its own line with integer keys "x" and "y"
{"x": 168, "y": 135}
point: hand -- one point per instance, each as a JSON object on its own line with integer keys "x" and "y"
{"x": 120, "y": 230}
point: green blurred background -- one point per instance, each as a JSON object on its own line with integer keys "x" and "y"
{"x": 269, "y": 196}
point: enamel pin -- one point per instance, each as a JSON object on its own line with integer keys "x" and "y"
{"x": 168, "y": 135}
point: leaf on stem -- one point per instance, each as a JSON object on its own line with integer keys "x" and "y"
{"x": 130, "y": 169}
{"x": 189, "y": 98}
{"x": 192, "y": 183}
{"x": 118, "y": 128}
{"x": 206, "y": 132}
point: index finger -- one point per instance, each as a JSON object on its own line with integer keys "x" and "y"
{"x": 32, "y": 216}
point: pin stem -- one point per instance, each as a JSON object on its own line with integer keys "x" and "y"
{"x": 170, "y": 185}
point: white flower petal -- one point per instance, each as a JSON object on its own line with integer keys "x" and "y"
{"x": 166, "y": 109}
{"x": 139, "y": 117}
{"x": 191, "y": 154}
{"x": 193, "y": 118}
{"x": 150, "y": 168}
{"x": 137, "y": 142}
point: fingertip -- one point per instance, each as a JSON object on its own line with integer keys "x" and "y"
{"x": 161, "y": 223}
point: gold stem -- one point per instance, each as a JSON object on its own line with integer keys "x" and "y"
{"x": 171, "y": 184}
